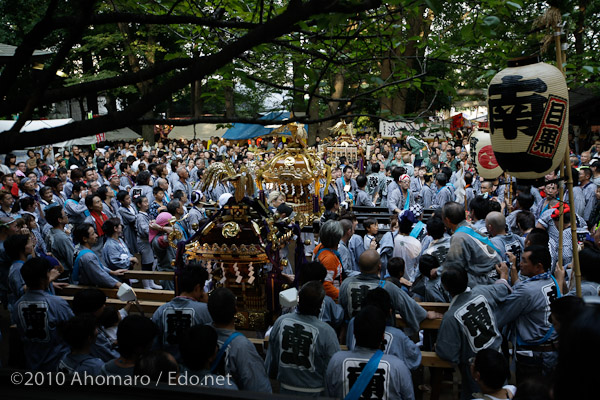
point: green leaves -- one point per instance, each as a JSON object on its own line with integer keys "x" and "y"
{"x": 491, "y": 21}
{"x": 434, "y": 5}
{"x": 486, "y": 76}
{"x": 513, "y": 6}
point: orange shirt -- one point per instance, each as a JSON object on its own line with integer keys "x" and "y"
{"x": 334, "y": 271}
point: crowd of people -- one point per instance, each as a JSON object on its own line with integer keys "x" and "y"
{"x": 489, "y": 248}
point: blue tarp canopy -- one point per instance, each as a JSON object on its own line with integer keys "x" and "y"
{"x": 249, "y": 131}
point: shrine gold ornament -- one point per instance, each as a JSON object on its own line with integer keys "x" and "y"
{"x": 230, "y": 229}
{"x": 341, "y": 143}
{"x": 289, "y": 162}
{"x": 299, "y": 173}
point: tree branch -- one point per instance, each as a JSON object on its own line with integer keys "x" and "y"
{"x": 49, "y": 73}
{"x": 9, "y": 75}
{"x": 124, "y": 17}
{"x": 281, "y": 24}
{"x": 52, "y": 96}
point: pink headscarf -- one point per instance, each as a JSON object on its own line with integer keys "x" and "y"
{"x": 162, "y": 219}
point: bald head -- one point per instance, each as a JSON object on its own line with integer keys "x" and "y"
{"x": 369, "y": 262}
{"x": 181, "y": 171}
{"x": 162, "y": 183}
{"x": 585, "y": 157}
{"x": 495, "y": 223}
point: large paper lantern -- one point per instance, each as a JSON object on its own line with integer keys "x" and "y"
{"x": 482, "y": 155}
{"x": 528, "y": 106}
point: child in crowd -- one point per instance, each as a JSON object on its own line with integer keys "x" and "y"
{"x": 158, "y": 205}
{"x": 142, "y": 228}
{"x": 395, "y": 269}
{"x": 199, "y": 349}
{"x": 386, "y": 245}
{"x": 372, "y": 229}
{"x": 80, "y": 334}
{"x": 428, "y": 286}
{"x": 135, "y": 336}
{"x": 128, "y": 213}
{"x": 362, "y": 197}
{"x": 109, "y": 320}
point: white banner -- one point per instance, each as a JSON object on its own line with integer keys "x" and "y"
{"x": 394, "y": 129}
{"x": 390, "y": 130}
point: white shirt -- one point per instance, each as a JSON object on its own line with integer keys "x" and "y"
{"x": 408, "y": 248}
{"x": 509, "y": 388}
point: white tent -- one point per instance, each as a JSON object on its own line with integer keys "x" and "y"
{"x": 30, "y": 126}
{"x": 203, "y": 131}
{"x": 111, "y": 136}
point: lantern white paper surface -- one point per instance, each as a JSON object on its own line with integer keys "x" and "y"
{"x": 482, "y": 155}
{"x": 528, "y": 105}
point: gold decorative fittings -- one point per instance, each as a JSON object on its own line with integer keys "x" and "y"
{"x": 257, "y": 320}
{"x": 240, "y": 319}
{"x": 230, "y": 229}
{"x": 289, "y": 162}
{"x": 174, "y": 237}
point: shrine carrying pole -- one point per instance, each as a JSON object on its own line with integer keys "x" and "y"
{"x": 560, "y": 59}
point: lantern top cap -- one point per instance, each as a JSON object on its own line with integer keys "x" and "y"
{"x": 522, "y": 61}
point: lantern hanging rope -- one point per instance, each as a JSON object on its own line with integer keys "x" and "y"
{"x": 549, "y": 20}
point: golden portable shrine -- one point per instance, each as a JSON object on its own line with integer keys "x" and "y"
{"x": 342, "y": 144}
{"x": 239, "y": 243}
{"x": 298, "y": 173}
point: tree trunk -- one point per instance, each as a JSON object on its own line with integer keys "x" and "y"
{"x": 148, "y": 130}
{"x": 338, "y": 90}
{"x": 579, "y": 29}
{"x": 417, "y": 26}
{"x": 134, "y": 63}
{"x": 91, "y": 98}
{"x": 313, "y": 113}
{"x": 333, "y": 106}
{"x": 197, "y": 101}
{"x": 386, "y": 73}
{"x": 229, "y": 103}
{"x": 297, "y": 81}
{"x": 82, "y": 108}
{"x": 111, "y": 103}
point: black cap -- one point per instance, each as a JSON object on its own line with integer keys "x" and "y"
{"x": 285, "y": 209}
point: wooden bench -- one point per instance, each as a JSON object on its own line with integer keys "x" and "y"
{"x": 360, "y": 230}
{"x": 366, "y": 209}
{"x": 152, "y": 299}
{"x": 142, "y": 294}
{"x": 381, "y": 218}
{"x": 148, "y": 307}
{"x": 428, "y": 358}
{"x": 425, "y": 324}
{"x": 434, "y": 306}
{"x": 152, "y": 275}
